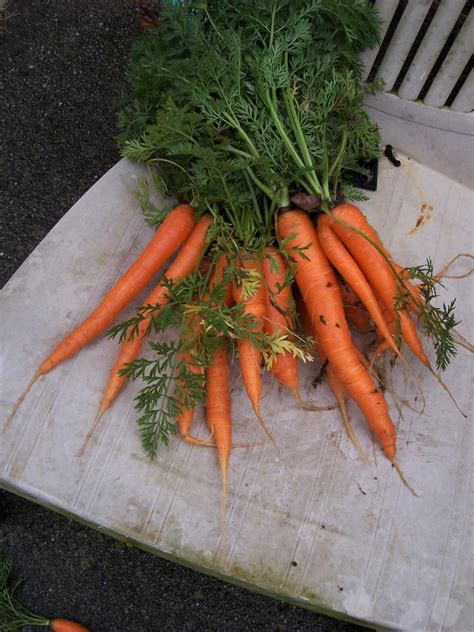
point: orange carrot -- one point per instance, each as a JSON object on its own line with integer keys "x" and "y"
{"x": 168, "y": 238}
{"x": 218, "y": 407}
{"x": 341, "y": 259}
{"x": 174, "y": 229}
{"x": 186, "y": 261}
{"x": 375, "y": 268}
{"x": 320, "y": 291}
{"x": 186, "y": 415}
{"x": 278, "y": 321}
{"x": 250, "y": 358}
{"x": 65, "y": 625}
{"x": 334, "y": 382}
{"x": 359, "y": 317}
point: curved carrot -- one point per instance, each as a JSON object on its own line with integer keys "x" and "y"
{"x": 341, "y": 259}
{"x": 320, "y": 291}
{"x": 375, "y": 268}
{"x": 185, "y": 262}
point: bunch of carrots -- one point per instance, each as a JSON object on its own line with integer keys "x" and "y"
{"x": 339, "y": 265}
{"x": 257, "y": 137}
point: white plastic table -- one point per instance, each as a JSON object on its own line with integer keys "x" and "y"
{"x": 333, "y": 534}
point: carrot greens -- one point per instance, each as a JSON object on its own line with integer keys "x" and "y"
{"x": 236, "y": 108}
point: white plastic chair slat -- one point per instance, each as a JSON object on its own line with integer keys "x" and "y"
{"x": 386, "y": 9}
{"x": 434, "y": 40}
{"x": 454, "y": 64}
{"x": 464, "y": 101}
{"x": 402, "y": 40}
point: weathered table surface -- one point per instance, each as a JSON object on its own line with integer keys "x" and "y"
{"x": 332, "y": 534}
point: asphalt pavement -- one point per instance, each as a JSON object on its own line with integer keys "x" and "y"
{"x": 62, "y": 69}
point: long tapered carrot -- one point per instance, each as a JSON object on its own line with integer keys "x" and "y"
{"x": 342, "y": 260}
{"x": 320, "y": 291}
{"x": 185, "y": 263}
{"x": 250, "y": 358}
{"x": 375, "y": 268}
{"x": 218, "y": 409}
{"x": 174, "y": 229}
{"x": 278, "y": 321}
{"x": 334, "y": 382}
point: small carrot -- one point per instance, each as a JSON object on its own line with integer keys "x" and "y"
{"x": 185, "y": 262}
{"x": 174, "y": 229}
{"x": 14, "y": 615}
{"x": 218, "y": 408}
{"x": 278, "y": 321}
{"x": 65, "y": 625}
{"x": 186, "y": 415}
{"x": 375, "y": 268}
{"x": 250, "y": 358}
{"x": 322, "y": 296}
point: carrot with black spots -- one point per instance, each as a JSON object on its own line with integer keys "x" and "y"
{"x": 356, "y": 313}
{"x": 320, "y": 290}
{"x": 342, "y": 260}
{"x": 334, "y": 382}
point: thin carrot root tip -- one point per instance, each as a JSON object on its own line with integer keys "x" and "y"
{"x": 200, "y": 442}
{"x": 451, "y": 396}
{"x": 207, "y": 444}
{"x": 350, "y": 432}
{"x": 263, "y": 423}
{"x": 443, "y": 273}
{"x": 312, "y": 407}
{"x": 272, "y": 439}
{"x": 460, "y": 341}
{"x": 21, "y": 398}
{"x": 402, "y": 477}
{"x": 88, "y": 436}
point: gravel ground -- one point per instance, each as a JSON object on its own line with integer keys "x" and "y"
{"x": 61, "y": 70}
